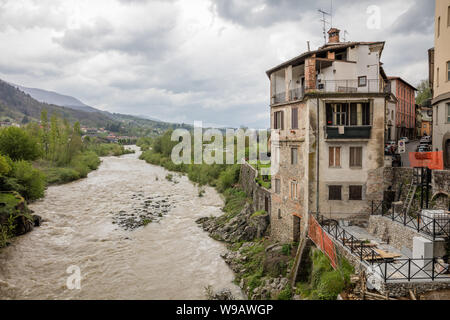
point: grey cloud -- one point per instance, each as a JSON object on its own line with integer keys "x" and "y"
{"x": 418, "y": 19}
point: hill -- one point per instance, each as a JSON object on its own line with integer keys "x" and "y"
{"x": 16, "y": 105}
{"x": 55, "y": 98}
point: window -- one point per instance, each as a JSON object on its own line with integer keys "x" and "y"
{"x": 355, "y": 193}
{"x": 448, "y": 16}
{"x": 337, "y": 114}
{"x": 439, "y": 27}
{"x": 335, "y": 157}
{"x": 356, "y": 157}
{"x": 448, "y": 113}
{"x": 294, "y": 190}
{"x": 294, "y": 156}
{"x": 294, "y": 119}
{"x": 353, "y": 114}
{"x": 278, "y": 120}
{"x": 279, "y": 213}
{"x": 334, "y": 192}
{"x": 437, "y": 77}
{"x": 277, "y": 186}
{"x": 362, "y": 81}
{"x": 448, "y": 71}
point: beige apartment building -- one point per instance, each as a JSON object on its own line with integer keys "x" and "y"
{"x": 440, "y": 75}
{"x": 329, "y": 108}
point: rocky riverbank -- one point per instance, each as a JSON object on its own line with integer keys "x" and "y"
{"x": 260, "y": 266}
{"x": 15, "y": 217}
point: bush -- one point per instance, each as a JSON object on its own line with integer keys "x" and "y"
{"x": 18, "y": 144}
{"x": 285, "y": 294}
{"x": 228, "y": 178}
{"x": 330, "y": 285}
{"x": 5, "y": 168}
{"x": 31, "y": 181}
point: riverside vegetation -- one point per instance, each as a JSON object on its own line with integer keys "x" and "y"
{"x": 37, "y": 155}
{"x": 261, "y": 267}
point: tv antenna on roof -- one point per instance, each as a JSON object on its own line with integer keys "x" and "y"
{"x": 325, "y": 22}
{"x": 345, "y": 33}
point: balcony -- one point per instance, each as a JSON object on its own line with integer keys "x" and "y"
{"x": 294, "y": 95}
{"x": 360, "y": 85}
{"x": 348, "y": 132}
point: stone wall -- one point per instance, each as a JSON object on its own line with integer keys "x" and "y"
{"x": 392, "y": 232}
{"x": 398, "y": 179}
{"x": 261, "y": 196}
{"x": 401, "y": 289}
{"x": 441, "y": 182}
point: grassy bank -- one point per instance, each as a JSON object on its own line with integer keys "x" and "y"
{"x": 81, "y": 164}
{"x": 158, "y": 152}
{"x": 36, "y": 155}
{"x": 322, "y": 282}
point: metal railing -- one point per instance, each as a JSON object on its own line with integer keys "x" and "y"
{"x": 296, "y": 93}
{"x": 279, "y": 98}
{"x": 411, "y": 269}
{"x": 392, "y": 269}
{"x": 349, "y": 86}
{"x": 430, "y": 226}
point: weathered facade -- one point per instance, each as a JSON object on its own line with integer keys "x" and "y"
{"x": 405, "y": 108}
{"x": 329, "y": 109}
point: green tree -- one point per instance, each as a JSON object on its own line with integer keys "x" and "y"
{"x": 31, "y": 181}
{"x": 18, "y": 144}
{"x": 44, "y": 132}
{"x": 25, "y": 120}
{"x": 54, "y": 138}
{"x": 75, "y": 144}
{"x": 5, "y": 168}
{"x": 423, "y": 93}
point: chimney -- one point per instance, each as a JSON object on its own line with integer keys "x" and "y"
{"x": 333, "y": 35}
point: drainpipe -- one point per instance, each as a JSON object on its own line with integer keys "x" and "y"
{"x": 317, "y": 160}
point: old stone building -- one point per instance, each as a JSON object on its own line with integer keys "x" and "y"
{"x": 329, "y": 109}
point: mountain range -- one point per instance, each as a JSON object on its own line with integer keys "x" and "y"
{"x": 22, "y": 104}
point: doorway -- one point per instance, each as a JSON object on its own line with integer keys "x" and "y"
{"x": 296, "y": 229}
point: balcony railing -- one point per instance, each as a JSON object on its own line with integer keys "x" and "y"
{"x": 349, "y": 86}
{"x": 349, "y": 132}
{"x": 389, "y": 270}
{"x": 296, "y": 94}
{"x": 279, "y": 98}
{"x": 433, "y": 227}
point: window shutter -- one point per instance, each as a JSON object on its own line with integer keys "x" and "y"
{"x": 331, "y": 157}
{"x": 338, "y": 157}
{"x": 294, "y": 122}
{"x": 282, "y": 119}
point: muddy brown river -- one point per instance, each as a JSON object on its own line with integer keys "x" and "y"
{"x": 170, "y": 258}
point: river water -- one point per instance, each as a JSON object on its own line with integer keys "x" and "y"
{"x": 170, "y": 259}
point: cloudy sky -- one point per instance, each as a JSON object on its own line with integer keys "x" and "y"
{"x": 181, "y": 61}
